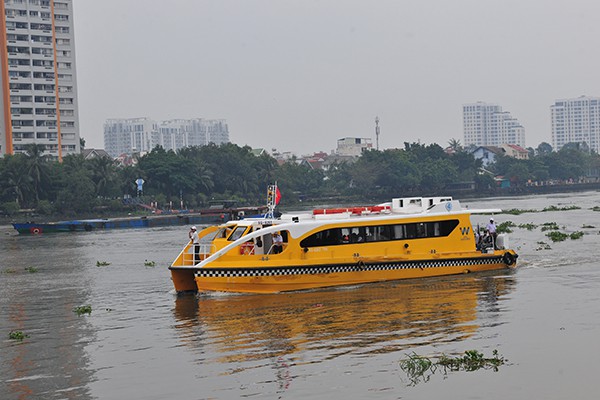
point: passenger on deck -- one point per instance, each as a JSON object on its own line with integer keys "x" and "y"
{"x": 193, "y": 235}
{"x": 491, "y": 228}
{"x": 277, "y": 243}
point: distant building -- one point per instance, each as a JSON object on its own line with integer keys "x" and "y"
{"x": 351, "y": 146}
{"x": 576, "y": 120}
{"x": 515, "y": 151}
{"x": 89, "y": 154}
{"x": 488, "y": 154}
{"x": 39, "y": 82}
{"x": 487, "y": 125}
{"x": 139, "y": 135}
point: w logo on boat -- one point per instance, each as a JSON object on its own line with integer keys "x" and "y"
{"x": 465, "y": 230}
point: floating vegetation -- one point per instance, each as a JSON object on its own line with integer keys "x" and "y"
{"x": 417, "y": 368}
{"x": 31, "y": 270}
{"x": 504, "y": 227}
{"x": 420, "y": 369}
{"x": 149, "y": 263}
{"x": 517, "y": 211}
{"x": 576, "y": 235}
{"x": 557, "y": 236}
{"x": 543, "y": 246}
{"x": 9, "y": 271}
{"x": 80, "y": 310}
{"x": 529, "y": 227}
{"x": 549, "y": 226}
{"x": 472, "y": 361}
{"x": 17, "y": 335}
{"x": 566, "y": 208}
{"x": 595, "y": 208}
{"x": 102, "y": 263}
{"x": 587, "y": 226}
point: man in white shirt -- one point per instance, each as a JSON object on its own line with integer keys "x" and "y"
{"x": 195, "y": 242}
{"x": 277, "y": 243}
{"x": 491, "y": 228}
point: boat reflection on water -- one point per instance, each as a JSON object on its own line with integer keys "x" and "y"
{"x": 370, "y": 319}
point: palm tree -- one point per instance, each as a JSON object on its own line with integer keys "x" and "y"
{"x": 37, "y": 168}
{"x": 103, "y": 173}
{"x": 15, "y": 183}
{"x": 455, "y": 145}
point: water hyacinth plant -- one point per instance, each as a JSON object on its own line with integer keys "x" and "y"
{"x": 17, "y": 335}
{"x": 420, "y": 368}
{"x": 80, "y": 310}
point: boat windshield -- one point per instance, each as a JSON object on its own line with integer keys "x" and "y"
{"x": 238, "y": 232}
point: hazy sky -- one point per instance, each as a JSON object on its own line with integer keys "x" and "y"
{"x": 298, "y": 75}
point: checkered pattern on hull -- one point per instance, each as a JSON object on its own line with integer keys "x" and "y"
{"x": 327, "y": 269}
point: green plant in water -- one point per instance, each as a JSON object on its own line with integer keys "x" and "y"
{"x": 549, "y": 226}
{"x": 566, "y": 208}
{"x": 529, "y": 227}
{"x": 80, "y": 310}
{"x": 10, "y": 271}
{"x": 576, "y": 235}
{"x": 516, "y": 211}
{"x": 420, "y": 369}
{"x": 557, "y": 236}
{"x": 587, "y": 226}
{"x": 149, "y": 263}
{"x": 417, "y": 368}
{"x": 17, "y": 335}
{"x": 595, "y": 208}
{"x": 472, "y": 360}
{"x": 504, "y": 227}
{"x": 102, "y": 263}
{"x": 31, "y": 270}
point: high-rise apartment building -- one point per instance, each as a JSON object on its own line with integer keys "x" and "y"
{"x": 488, "y": 125}
{"x": 37, "y": 71}
{"x": 138, "y": 135}
{"x": 576, "y": 120}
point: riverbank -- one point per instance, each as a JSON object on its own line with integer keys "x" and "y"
{"x": 337, "y": 200}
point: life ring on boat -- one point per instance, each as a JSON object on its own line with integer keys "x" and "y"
{"x": 35, "y": 230}
{"x": 247, "y": 248}
{"x": 508, "y": 259}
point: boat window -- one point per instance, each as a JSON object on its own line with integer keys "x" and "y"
{"x": 223, "y": 233}
{"x": 237, "y": 233}
{"x": 380, "y": 233}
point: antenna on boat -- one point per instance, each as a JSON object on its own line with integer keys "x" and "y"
{"x": 273, "y": 197}
{"x": 377, "y": 131}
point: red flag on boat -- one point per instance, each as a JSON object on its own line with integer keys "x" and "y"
{"x": 277, "y": 195}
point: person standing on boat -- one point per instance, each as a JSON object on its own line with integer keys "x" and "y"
{"x": 491, "y": 228}
{"x": 196, "y": 243}
{"x": 277, "y": 243}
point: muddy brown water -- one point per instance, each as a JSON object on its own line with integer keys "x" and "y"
{"x": 142, "y": 341}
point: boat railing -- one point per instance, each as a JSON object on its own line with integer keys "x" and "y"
{"x": 206, "y": 249}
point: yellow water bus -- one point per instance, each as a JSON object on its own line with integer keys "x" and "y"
{"x": 406, "y": 238}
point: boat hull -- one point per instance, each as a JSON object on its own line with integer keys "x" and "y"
{"x": 293, "y": 278}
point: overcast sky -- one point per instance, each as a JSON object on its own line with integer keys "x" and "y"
{"x": 298, "y": 75}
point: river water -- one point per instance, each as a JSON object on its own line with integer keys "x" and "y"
{"x": 141, "y": 341}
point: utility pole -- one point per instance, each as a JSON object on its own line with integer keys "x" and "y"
{"x": 377, "y": 131}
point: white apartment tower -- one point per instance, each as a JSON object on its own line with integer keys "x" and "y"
{"x": 139, "y": 135}
{"x": 576, "y": 120}
{"x": 37, "y": 70}
{"x": 487, "y": 125}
